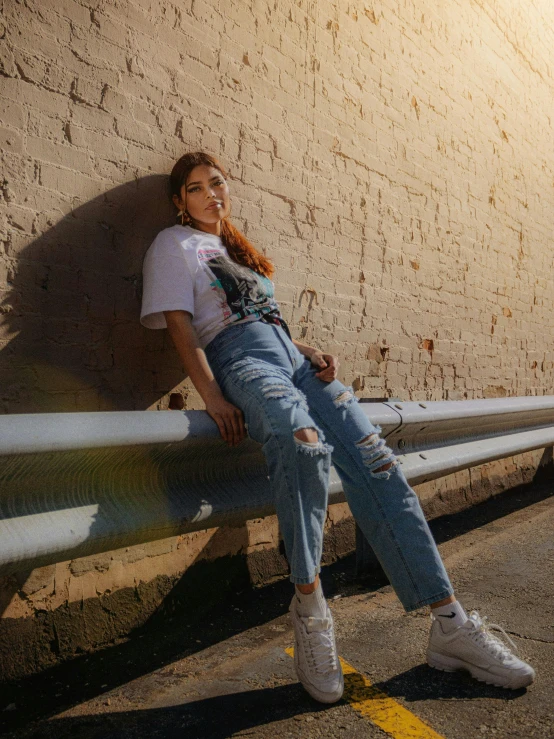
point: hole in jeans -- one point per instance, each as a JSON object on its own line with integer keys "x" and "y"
{"x": 306, "y": 436}
{"x": 273, "y": 386}
{"x": 344, "y": 398}
{"x": 377, "y": 457}
{"x": 310, "y": 445}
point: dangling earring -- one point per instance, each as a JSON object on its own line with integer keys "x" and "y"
{"x": 185, "y": 218}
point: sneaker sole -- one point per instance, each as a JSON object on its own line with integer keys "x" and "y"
{"x": 315, "y": 693}
{"x": 450, "y": 664}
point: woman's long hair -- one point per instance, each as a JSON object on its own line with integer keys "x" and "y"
{"x": 238, "y": 246}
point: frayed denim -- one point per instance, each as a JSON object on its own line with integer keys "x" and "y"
{"x": 262, "y": 372}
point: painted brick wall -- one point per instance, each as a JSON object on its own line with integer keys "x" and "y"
{"x": 393, "y": 158}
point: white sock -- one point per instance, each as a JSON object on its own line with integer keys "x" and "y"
{"x": 312, "y": 604}
{"x": 450, "y": 616}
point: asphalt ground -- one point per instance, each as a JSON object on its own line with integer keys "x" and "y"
{"x": 227, "y": 674}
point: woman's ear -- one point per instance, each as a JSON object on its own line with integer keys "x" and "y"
{"x": 178, "y": 202}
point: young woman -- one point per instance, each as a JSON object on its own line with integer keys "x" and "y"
{"x": 212, "y": 290}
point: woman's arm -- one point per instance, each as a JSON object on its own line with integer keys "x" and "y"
{"x": 304, "y": 349}
{"x": 229, "y": 418}
{"x": 327, "y": 363}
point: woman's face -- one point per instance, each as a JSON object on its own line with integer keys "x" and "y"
{"x": 205, "y": 197}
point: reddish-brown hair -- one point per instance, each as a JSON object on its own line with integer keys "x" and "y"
{"x": 238, "y": 246}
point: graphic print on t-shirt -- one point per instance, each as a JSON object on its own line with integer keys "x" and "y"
{"x": 243, "y": 292}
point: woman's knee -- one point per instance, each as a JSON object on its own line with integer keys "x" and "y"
{"x": 378, "y": 457}
{"x": 309, "y": 435}
{"x": 300, "y": 433}
{"x": 310, "y": 439}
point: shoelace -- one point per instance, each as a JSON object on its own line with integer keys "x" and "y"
{"x": 483, "y": 636}
{"x": 321, "y": 648}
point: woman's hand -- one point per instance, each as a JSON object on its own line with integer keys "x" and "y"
{"x": 328, "y": 365}
{"x": 229, "y": 419}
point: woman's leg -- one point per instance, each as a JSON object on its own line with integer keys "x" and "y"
{"x": 298, "y": 459}
{"x": 253, "y": 367}
{"x": 385, "y": 506}
{"x": 380, "y": 498}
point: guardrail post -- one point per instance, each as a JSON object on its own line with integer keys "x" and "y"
{"x": 368, "y": 566}
{"x": 545, "y": 470}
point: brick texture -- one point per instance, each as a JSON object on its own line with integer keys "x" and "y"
{"x": 391, "y": 158}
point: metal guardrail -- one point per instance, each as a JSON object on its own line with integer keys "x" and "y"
{"x": 75, "y": 484}
{"x": 440, "y": 437}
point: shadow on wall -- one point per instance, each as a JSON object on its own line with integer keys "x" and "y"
{"x": 70, "y": 314}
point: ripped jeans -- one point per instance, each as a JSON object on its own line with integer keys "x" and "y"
{"x": 261, "y": 371}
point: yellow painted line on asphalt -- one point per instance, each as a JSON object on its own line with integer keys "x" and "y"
{"x": 379, "y": 708}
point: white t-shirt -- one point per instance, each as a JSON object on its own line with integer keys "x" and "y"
{"x": 187, "y": 269}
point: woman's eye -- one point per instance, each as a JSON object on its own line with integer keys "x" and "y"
{"x": 194, "y": 189}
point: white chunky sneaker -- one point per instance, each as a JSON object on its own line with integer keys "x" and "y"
{"x": 473, "y": 647}
{"x": 315, "y": 656}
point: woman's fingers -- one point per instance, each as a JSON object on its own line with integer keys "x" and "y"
{"x": 221, "y": 426}
{"x": 229, "y": 420}
{"x": 233, "y": 424}
{"x": 225, "y": 428}
{"x": 328, "y": 373}
{"x": 229, "y": 428}
{"x": 326, "y": 377}
{"x": 235, "y": 427}
{"x": 240, "y": 431}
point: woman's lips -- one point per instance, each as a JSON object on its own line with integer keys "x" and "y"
{"x": 213, "y": 205}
